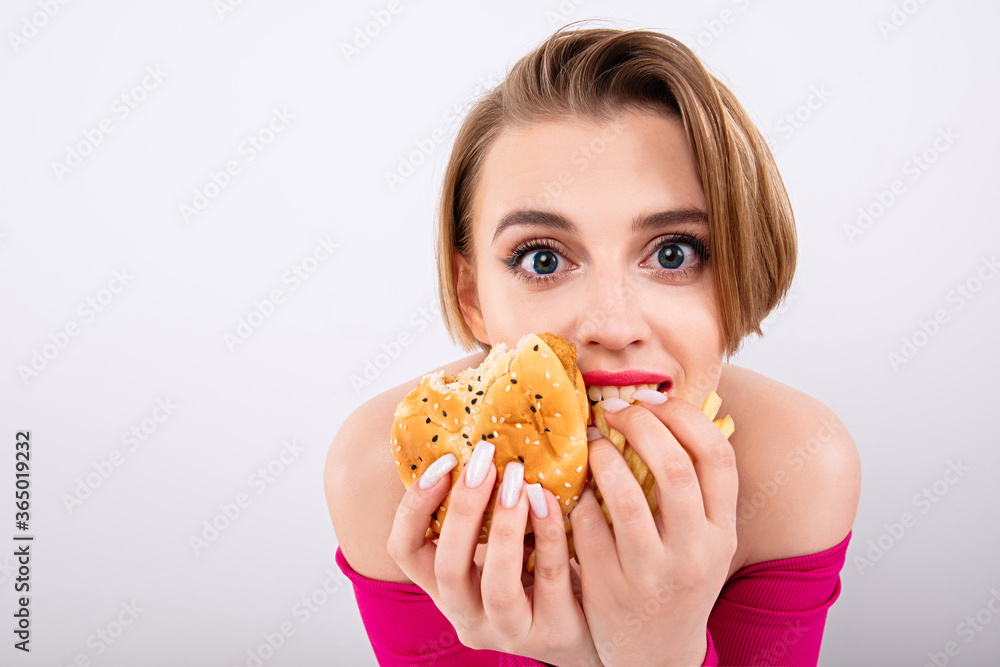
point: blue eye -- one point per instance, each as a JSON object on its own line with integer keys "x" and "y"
{"x": 673, "y": 255}
{"x": 540, "y": 262}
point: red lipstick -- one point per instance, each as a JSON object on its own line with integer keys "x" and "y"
{"x": 625, "y": 378}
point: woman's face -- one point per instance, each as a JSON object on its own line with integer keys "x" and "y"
{"x": 598, "y": 232}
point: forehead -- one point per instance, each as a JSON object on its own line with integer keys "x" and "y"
{"x": 632, "y": 164}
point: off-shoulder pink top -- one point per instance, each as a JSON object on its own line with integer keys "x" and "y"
{"x": 770, "y": 613}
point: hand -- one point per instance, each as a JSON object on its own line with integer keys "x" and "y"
{"x": 490, "y": 607}
{"x": 649, "y": 587}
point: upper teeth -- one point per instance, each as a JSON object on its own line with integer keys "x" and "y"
{"x": 598, "y": 393}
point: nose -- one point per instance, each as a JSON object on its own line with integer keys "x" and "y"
{"x": 612, "y": 317}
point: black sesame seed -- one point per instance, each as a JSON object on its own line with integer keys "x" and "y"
{"x": 467, "y": 410}
{"x": 547, "y": 431}
{"x": 521, "y": 458}
{"x": 428, "y": 421}
{"x": 474, "y": 401}
{"x": 444, "y": 413}
{"x": 413, "y": 467}
{"x": 434, "y": 439}
{"x": 424, "y": 400}
{"x": 536, "y": 350}
{"x": 470, "y": 387}
{"x": 434, "y": 515}
{"x": 479, "y": 393}
{"x": 421, "y": 459}
{"x": 484, "y": 436}
{"x": 533, "y": 409}
{"x": 538, "y": 395}
{"x": 465, "y": 435}
{"x": 490, "y": 436}
{"x": 513, "y": 381}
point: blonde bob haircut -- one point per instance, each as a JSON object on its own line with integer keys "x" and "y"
{"x": 598, "y": 73}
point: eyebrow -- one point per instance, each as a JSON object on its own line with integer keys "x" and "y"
{"x": 642, "y": 223}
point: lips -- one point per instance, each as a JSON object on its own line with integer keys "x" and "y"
{"x": 625, "y": 378}
{"x": 621, "y": 384}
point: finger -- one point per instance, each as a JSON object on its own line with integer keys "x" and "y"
{"x": 635, "y": 531}
{"x": 553, "y": 586}
{"x": 454, "y": 565}
{"x": 503, "y": 594}
{"x": 677, "y": 491}
{"x": 408, "y": 544}
{"x": 713, "y": 456}
{"x": 592, "y": 536}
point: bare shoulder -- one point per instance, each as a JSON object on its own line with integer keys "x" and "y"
{"x": 362, "y": 486}
{"x": 799, "y": 469}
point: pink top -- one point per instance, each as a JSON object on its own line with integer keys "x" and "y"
{"x": 770, "y": 613}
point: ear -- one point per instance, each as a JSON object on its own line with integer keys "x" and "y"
{"x": 468, "y": 298}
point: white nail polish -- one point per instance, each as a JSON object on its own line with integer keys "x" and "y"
{"x": 614, "y": 404}
{"x": 510, "y": 488}
{"x": 536, "y": 499}
{"x": 437, "y": 470}
{"x": 479, "y": 464}
{"x": 650, "y": 396}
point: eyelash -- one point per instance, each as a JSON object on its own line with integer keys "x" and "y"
{"x": 516, "y": 256}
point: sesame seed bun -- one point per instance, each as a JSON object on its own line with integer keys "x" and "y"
{"x": 529, "y": 402}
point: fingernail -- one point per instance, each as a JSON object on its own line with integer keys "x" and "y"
{"x": 437, "y": 470}
{"x": 510, "y": 488}
{"x": 479, "y": 464}
{"x": 593, "y": 433}
{"x": 614, "y": 404}
{"x": 536, "y": 499}
{"x": 650, "y": 396}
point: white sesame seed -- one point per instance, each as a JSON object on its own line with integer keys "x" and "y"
{"x": 547, "y": 375}
{"x": 555, "y": 384}
{"x": 413, "y": 475}
{"x": 568, "y": 485}
{"x": 527, "y": 440}
{"x": 456, "y": 421}
{"x": 398, "y": 447}
{"x": 545, "y": 355}
{"x": 558, "y": 415}
{"x": 494, "y": 419}
{"x": 495, "y": 434}
{"x": 518, "y": 425}
{"x": 580, "y": 469}
{"x": 507, "y": 388}
{"x": 502, "y": 419}
{"x": 541, "y": 475}
{"x": 514, "y": 375}
{"x": 538, "y": 406}
{"x": 576, "y": 497}
{"x": 565, "y": 455}
{"x": 397, "y": 463}
{"x": 536, "y": 442}
{"x": 558, "y": 471}
{"x": 435, "y": 406}
{"x": 572, "y": 438}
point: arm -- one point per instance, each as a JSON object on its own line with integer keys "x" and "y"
{"x": 773, "y": 613}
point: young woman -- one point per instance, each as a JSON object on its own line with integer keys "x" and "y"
{"x": 611, "y": 191}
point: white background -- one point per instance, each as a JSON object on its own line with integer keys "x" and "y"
{"x": 886, "y": 96}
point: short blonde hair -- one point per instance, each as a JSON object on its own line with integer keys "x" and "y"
{"x": 601, "y": 72}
